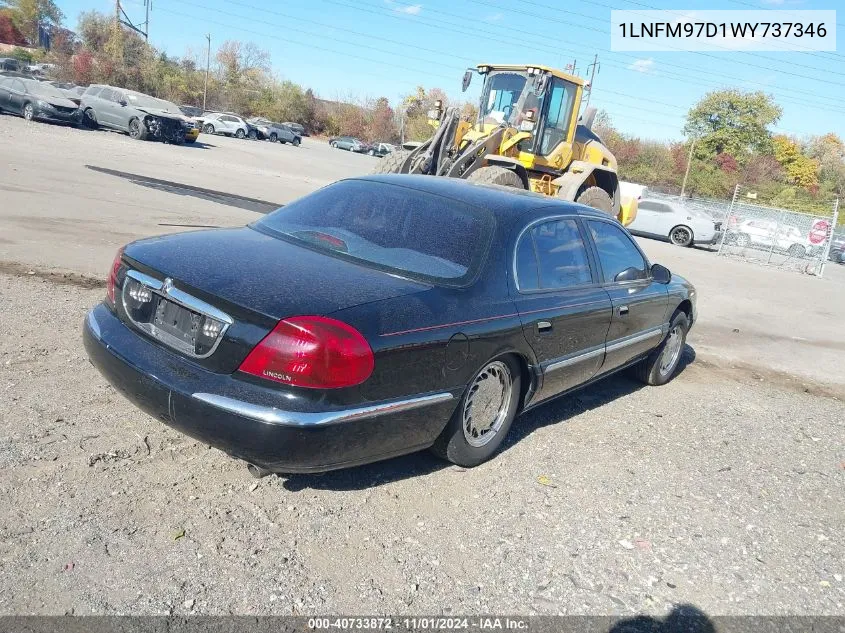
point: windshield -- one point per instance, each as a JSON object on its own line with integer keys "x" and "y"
{"x": 501, "y": 94}
{"x": 392, "y": 228}
{"x": 146, "y": 101}
{"x": 190, "y": 110}
{"x": 44, "y": 90}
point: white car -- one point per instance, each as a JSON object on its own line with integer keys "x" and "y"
{"x": 770, "y": 234}
{"x": 680, "y": 225}
{"x": 223, "y": 123}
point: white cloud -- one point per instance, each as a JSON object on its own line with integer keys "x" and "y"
{"x": 642, "y": 65}
{"x": 410, "y": 9}
{"x": 495, "y": 17}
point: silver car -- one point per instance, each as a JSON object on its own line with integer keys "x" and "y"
{"x": 226, "y": 124}
{"x": 681, "y": 225}
{"x": 274, "y": 132}
{"x": 139, "y": 115}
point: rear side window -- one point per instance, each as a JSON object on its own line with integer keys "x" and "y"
{"x": 656, "y": 207}
{"x": 552, "y": 256}
{"x": 389, "y": 227}
{"x": 617, "y": 251}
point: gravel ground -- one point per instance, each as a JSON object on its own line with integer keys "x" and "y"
{"x": 723, "y": 489}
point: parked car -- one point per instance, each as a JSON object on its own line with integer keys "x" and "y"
{"x": 837, "y": 248}
{"x": 194, "y": 115}
{"x": 760, "y": 232}
{"x": 33, "y": 99}
{"x": 674, "y": 222}
{"x": 297, "y": 128}
{"x": 444, "y": 309}
{"x": 10, "y": 64}
{"x": 139, "y": 115}
{"x": 226, "y": 124}
{"x": 274, "y": 132}
{"x": 380, "y": 149}
{"x": 349, "y": 143}
{"x": 40, "y": 69}
{"x": 71, "y": 91}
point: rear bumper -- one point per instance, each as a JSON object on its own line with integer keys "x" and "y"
{"x": 252, "y": 422}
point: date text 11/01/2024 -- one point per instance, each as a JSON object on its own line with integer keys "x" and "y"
{"x": 419, "y": 624}
{"x": 723, "y": 29}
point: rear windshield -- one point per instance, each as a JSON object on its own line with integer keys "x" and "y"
{"x": 389, "y": 227}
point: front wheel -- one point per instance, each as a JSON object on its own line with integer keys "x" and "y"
{"x": 681, "y": 236}
{"x": 484, "y": 416}
{"x": 597, "y": 198}
{"x": 296, "y": 141}
{"x": 137, "y": 130}
{"x": 89, "y": 119}
{"x": 372, "y": 152}
{"x": 240, "y": 133}
{"x": 273, "y": 138}
{"x": 742, "y": 240}
{"x": 797, "y": 251}
{"x": 659, "y": 367}
{"x": 208, "y": 129}
{"x": 392, "y": 163}
{"x": 496, "y": 176}
{"x": 29, "y": 112}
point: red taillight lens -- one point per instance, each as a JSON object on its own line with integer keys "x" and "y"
{"x": 111, "y": 282}
{"x": 312, "y": 351}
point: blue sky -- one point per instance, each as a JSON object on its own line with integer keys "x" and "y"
{"x": 372, "y": 48}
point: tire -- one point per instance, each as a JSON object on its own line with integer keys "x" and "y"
{"x": 660, "y": 365}
{"x": 137, "y": 130}
{"x": 496, "y": 176}
{"x": 89, "y": 119}
{"x": 681, "y": 236}
{"x": 208, "y": 128}
{"x": 470, "y": 448}
{"x": 742, "y": 240}
{"x": 253, "y": 135}
{"x": 273, "y": 137}
{"x": 334, "y": 145}
{"x": 372, "y": 152}
{"x": 240, "y": 133}
{"x": 797, "y": 251}
{"x": 391, "y": 163}
{"x": 296, "y": 141}
{"x": 597, "y": 198}
{"x": 28, "y": 111}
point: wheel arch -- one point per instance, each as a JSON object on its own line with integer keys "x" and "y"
{"x": 493, "y": 160}
{"x": 683, "y": 226}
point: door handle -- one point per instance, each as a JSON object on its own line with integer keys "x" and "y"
{"x": 623, "y": 310}
{"x": 544, "y": 326}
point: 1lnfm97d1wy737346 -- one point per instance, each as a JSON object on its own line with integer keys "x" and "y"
{"x": 380, "y": 316}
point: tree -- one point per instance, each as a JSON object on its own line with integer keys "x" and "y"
{"x": 29, "y": 15}
{"x": 732, "y": 122}
{"x": 9, "y": 32}
{"x": 381, "y": 126}
{"x": 800, "y": 170}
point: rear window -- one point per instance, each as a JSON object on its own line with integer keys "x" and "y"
{"x": 389, "y": 227}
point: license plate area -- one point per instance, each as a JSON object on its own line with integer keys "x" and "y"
{"x": 172, "y": 316}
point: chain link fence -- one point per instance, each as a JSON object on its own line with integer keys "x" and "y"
{"x": 751, "y": 230}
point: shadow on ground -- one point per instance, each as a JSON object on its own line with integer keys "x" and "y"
{"x": 555, "y": 411}
{"x": 683, "y": 618}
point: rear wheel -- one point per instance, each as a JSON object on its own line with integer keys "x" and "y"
{"x": 137, "y": 130}
{"x": 273, "y": 137}
{"x": 659, "y": 367}
{"x": 334, "y": 145}
{"x": 296, "y": 141}
{"x": 391, "y": 164}
{"x": 796, "y": 250}
{"x": 597, "y": 198}
{"x": 496, "y": 176}
{"x": 681, "y": 236}
{"x": 208, "y": 129}
{"x": 240, "y": 133}
{"x": 89, "y": 119}
{"x": 742, "y": 240}
{"x": 253, "y": 135}
{"x": 28, "y": 111}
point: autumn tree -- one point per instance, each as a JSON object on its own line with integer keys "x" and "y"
{"x": 29, "y": 15}
{"x": 800, "y": 169}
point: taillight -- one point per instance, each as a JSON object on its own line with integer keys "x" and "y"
{"x": 111, "y": 282}
{"x": 312, "y": 351}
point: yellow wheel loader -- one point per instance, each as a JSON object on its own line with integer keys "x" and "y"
{"x": 528, "y": 135}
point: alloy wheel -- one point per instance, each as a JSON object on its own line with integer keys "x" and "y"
{"x": 671, "y": 351}
{"x": 680, "y": 236}
{"x": 28, "y": 112}
{"x": 486, "y": 405}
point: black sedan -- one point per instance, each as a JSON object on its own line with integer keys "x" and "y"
{"x": 380, "y": 316}
{"x": 33, "y": 99}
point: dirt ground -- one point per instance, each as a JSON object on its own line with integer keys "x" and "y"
{"x": 723, "y": 489}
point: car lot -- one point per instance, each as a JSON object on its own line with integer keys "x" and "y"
{"x": 723, "y": 489}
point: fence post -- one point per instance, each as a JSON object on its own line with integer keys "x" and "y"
{"x": 775, "y": 236}
{"x": 727, "y": 217}
{"x": 833, "y": 222}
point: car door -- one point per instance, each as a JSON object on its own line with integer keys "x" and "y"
{"x": 17, "y": 95}
{"x": 639, "y": 303}
{"x": 565, "y": 312}
{"x": 121, "y": 113}
{"x": 104, "y": 108}
{"x": 5, "y": 93}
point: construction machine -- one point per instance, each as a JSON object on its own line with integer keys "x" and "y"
{"x": 528, "y": 134}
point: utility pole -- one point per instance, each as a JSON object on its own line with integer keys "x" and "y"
{"x": 686, "y": 173}
{"x": 207, "y": 66}
{"x": 596, "y": 67}
{"x": 148, "y": 5}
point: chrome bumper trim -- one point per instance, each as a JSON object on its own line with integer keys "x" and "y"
{"x": 280, "y": 417}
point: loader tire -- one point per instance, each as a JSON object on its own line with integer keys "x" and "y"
{"x": 391, "y": 163}
{"x": 496, "y": 176}
{"x": 597, "y": 198}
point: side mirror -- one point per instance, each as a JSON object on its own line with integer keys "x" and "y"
{"x": 541, "y": 82}
{"x": 467, "y": 81}
{"x": 661, "y": 274}
{"x": 123, "y": 102}
{"x": 630, "y": 274}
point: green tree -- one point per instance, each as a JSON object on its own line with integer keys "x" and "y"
{"x": 732, "y": 122}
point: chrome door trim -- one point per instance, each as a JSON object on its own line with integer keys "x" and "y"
{"x": 568, "y": 361}
{"x": 572, "y": 359}
{"x": 634, "y": 339}
{"x": 280, "y": 417}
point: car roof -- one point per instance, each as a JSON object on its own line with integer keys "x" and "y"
{"x": 502, "y": 201}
